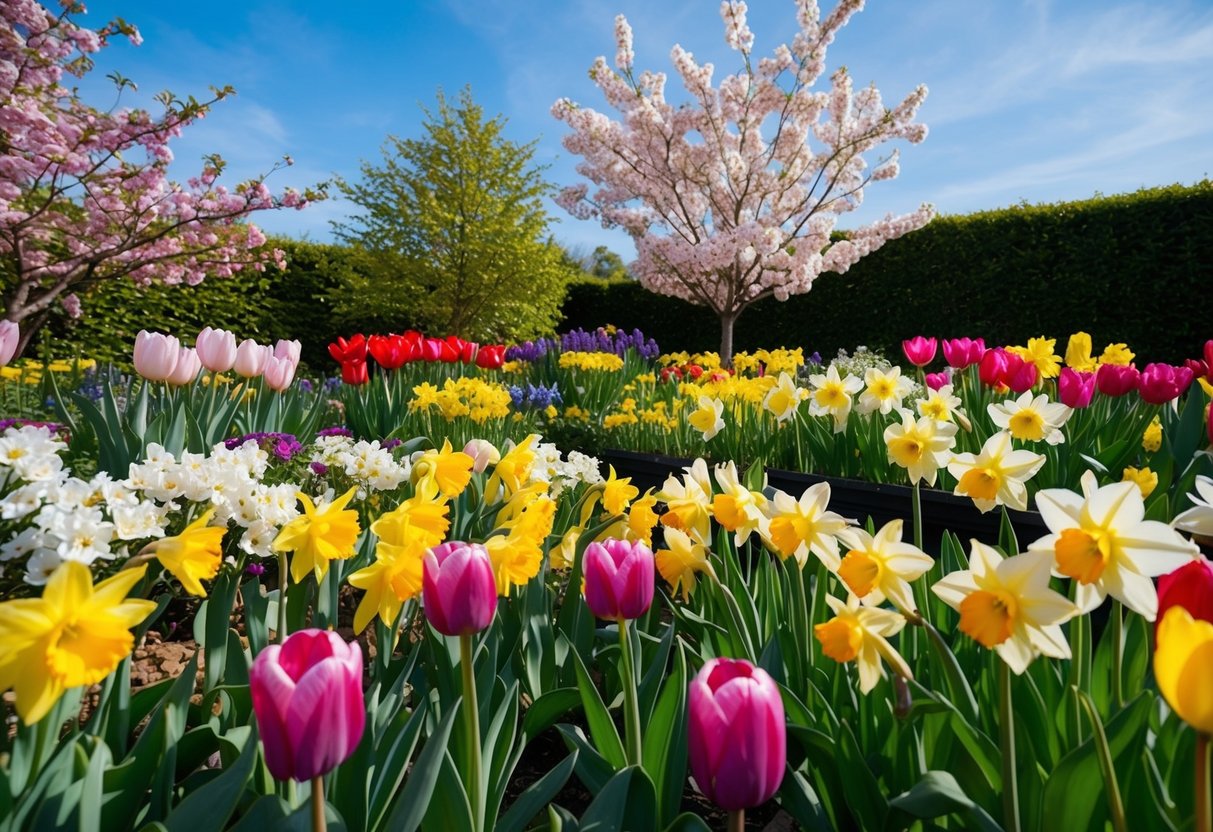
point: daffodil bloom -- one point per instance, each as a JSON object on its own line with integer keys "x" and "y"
{"x": 798, "y": 527}
{"x": 1078, "y": 353}
{"x": 1183, "y": 667}
{"x": 642, "y": 519}
{"x": 1145, "y": 479}
{"x": 617, "y": 493}
{"x": 920, "y": 446}
{"x": 562, "y": 555}
{"x": 997, "y": 475}
{"x": 518, "y": 555}
{"x": 194, "y": 555}
{"x": 513, "y": 470}
{"x": 1006, "y": 605}
{"x": 884, "y": 391}
{"x": 737, "y": 508}
{"x": 682, "y": 561}
{"x": 943, "y": 405}
{"x": 394, "y": 577}
{"x": 1151, "y": 438}
{"x": 832, "y": 396}
{"x": 882, "y": 566}
{"x": 708, "y": 418}
{"x": 1199, "y": 518}
{"x": 1039, "y": 351}
{"x": 321, "y": 534}
{"x": 448, "y": 469}
{"x": 783, "y": 399}
{"x": 859, "y": 634}
{"x": 1101, "y": 539}
{"x": 74, "y": 635}
{"x": 423, "y": 516}
{"x": 1031, "y": 419}
{"x": 688, "y": 501}
{"x": 1118, "y": 354}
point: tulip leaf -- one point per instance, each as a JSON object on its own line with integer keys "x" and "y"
{"x": 863, "y": 794}
{"x": 688, "y": 822}
{"x": 602, "y": 727}
{"x": 627, "y": 801}
{"x": 209, "y": 806}
{"x": 545, "y": 710}
{"x": 665, "y": 740}
{"x": 393, "y": 750}
{"x": 538, "y": 795}
{"x": 592, "y": 769}
{"x": 412, "y": 801}
{"x": 799, "y": 799}
{"x": 449, "y": 809}
{"x": 938, "y": 794}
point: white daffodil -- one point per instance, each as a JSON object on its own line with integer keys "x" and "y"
{"x": 689, "y": 501}
{"x": 737, "y": 508}
{"x": 783, "y": 399}
{"x": 1031, "y": 419}
{"x": 832, "y": 396}
{"x": 1006, "y": 605}
{"x": 883, "y": 391}
{"x": 997, "y": 475}
{"x": 1199, "y": 518}
{"x": 943, "y": 405}
{"x": 798, "y": 527}
{"x": 859, "y": 634}
{"x": 882, "y": 566}
{"x": 708, "y": 418}
{"x": 920, "y": 446}
{"x": 1101, "y": 539}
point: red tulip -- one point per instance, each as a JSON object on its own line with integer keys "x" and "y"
{"x": 354, "y": 372}
{"x": 351, "y": 350}
{"x": 1075, "y": 388}
{"x": 1160, "y": 383}
{"x": 459, "y": 591}
{"x": 413, "y": 341}
{"x": 491, "y": 357}
{"x": 389, "y": 351}
{"x": 307, "y": 695}
{"x": 1209, "y": 357}
{"x": 467, "y": 351}
{"x": 737, "y": 734}
{"x": 1116, "y": 380}
{"x": 452, "y": 350}
{"x": 1021, "y": 375}
{"x": 962, "y": 352}
{"x": 618, "y": 579}
{"x": 1198, "y": 367}
{"x": 993, "y": 367}
{"x": 668, "y": 373}
{"x": 1191, "y": 587}
{"x": 919, "y": 351}
{"x": 937, "y": 380}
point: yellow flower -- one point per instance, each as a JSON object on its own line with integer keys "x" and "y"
{"x": 798, "y": 527}
{"x": 920, "y": 446}
{"x": 394, "y": 577}
{"x": 881, "y": 567}
{"x": 1078, "y": 353}
{"x": 858, "y": 634}
{"x": 884, "y": 390}
{"x": 74, "y": 635}
{"x": 942, "y": 406}
{"x": 1183, "y": 667}
{"x": 1145, "y": 479}
{"x": 319, "y": 536}
{"x": 707, "y": 419}
{"x": 617, "y": 493}
{"x": 449, "y": 470}
{"x": 688, "y": 501}
{"x": 1031, "y": 419}
{"x": 1151, "y": 439}
{"x": 1119, "y": 354}
{"x": 682, "y": 561}
{"x": 425, "y": 396}
{"x": 996, "y": 475}
{"x": 642, "y": 518}
{"x": 832, "y": 396}
{"x": 1039, "y": 351}
{"x": 562, "y": 555}
{"x": 782, "y": 399}
{"x": 736, "y": 508}
{"x": 194, "y": 555}
{"x": 602, "y": 361}
{"x": 423, "y": 517}
{"x": 512, "y": 471}
{"x": 1006, "y": 605}
{"x": 518, "y": 554}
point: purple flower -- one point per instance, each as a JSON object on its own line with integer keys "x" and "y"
{"x": 255, "y": 568}
{"x": 319, "y": 468}
{"x": 335, "y": 430}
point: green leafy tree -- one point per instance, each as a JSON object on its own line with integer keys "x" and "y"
{"x": 455, "y": 231}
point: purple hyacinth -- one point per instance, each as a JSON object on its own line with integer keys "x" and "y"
{"x": 282, "y": 445}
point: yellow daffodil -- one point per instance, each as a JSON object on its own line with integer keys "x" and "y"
{"x": 688, "y": 501}
{"x": 563, "y": 554}
{"x": 1183, "y": 667}
{"x": 883, "y": 390}
{"x": 1005, "y": 604}
{"x": 1101, "y": 539}
{"x": 448, "y": 469}
{"x": 518, "y": 554}
{"x": 859, "y": 634}
{"x": 782, "y": 399}
{"x": 1118, "y": 354}
{"x": 1151, "y": 439}
{"x": 681, "y": 561}
{"x": 1031, "y": 419}
{"x": 194, "y": 555}
{"x": 618, "y": 493}
{"x": 943, "y": 405}
{"x": 737, "y": 508}
{"x": 798, "y": 527}
{"x": 882, "y": 566}
{"x": 708, "y": 418}
{"x": 607, "y": 362}
{"x": 423, "y": 516}
{"x": 996, "y": 475}
{"x": 1145, "y": 479}
{"x": 74, "y": 635}
{"x": 920, "y": 446}
{"x": 832, "y": 396}
{"x": 636, "y": 525}
{"x": 1199, "y": 518}
{"x": 394, "y": 577}
{"x": 513, "y": 471}
{"x": 321, "y": 534}
{"x": 1039, "y": 351}
{"x": 1078, "y": 353}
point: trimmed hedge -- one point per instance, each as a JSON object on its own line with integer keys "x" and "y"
{"x": 1135, "y": 268}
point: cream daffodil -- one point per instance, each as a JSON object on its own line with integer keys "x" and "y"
{"x": 737, "y": 508}
{"x": 920, "y": 446}
{"x": 943, "y": 405}
{"x": 1101, "y": 539}
{"x": 708, "y": 418}
{"x": 882, "y": 566}
{"x": 797, "y": 527}
{"x": 883, "y": 390}
{"x": 1199, "y": 518}
{"x": 1005, "y": 604}
{"x": 832, "y": 396}
{"x": 783, "y": 399}
{"x": 1031, "y": 419}
{"x": 688, "y": 501}
{"x": 997, "y": 475}
{"x": 859, "y": 634}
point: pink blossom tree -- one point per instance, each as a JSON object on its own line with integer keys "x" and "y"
{"x": 733, "y": 197}
{"x": 84, "y": 192}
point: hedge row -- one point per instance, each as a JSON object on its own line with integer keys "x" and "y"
{"x": 1136, "y": 268}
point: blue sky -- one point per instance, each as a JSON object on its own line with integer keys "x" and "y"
{"x": 1036, "y": 100}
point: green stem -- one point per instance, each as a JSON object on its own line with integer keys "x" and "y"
{"x": 283, "y": 573}
{"x": 1118, "y": 646}
{"x": 1204, "y": 812}
{"x": 736, "y": 822}
{"x": 1006, "y": 719}
{"x": 471, "y": 718}
{"x": 916, "y": 508}
{"x": 319, "y": 823}
{"x": 631, "y": 702}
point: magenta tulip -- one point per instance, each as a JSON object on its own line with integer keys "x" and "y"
{"x": 187, "y": 369}
{"x": 1075, "y": 388}
{"x": 618, "y": 579}
{"x": 963, "y": 352}
{"x": 307, "y": 695}
{"x": 1021, "y": 375}
{"x": 459, "y": 591}
{"x": 156, "y": 355}
{"x": 251, "y": 358}
{"x": 935, "y": 381}
{"x": 10, "y": 337}
{"x": 993, "y": 367}
{"x": 737, "y": 734}
{"x": 216, "y": 349}
{"x": 278, "y": 373}
{"x": 1116, "y": 380}
{"x": 920, "y": 351}
{"x": 1160, "y": 383}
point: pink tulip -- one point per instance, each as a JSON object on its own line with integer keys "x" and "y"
{"x": 288, "y": 349}
{"x": 937, "y": 380}
{"x": 483, "y": 453}
{"x": 250, "y": 358}
{"x": 216, "y": 349}
{"x": 1191, "y": 587}
{"x": 1160, "y": 383}
{"x": 459, "y": 591}
{"x": 618, "y": 579}
{"x": 963, "y": 352}
{"x": 279, "y": 373}
{"x": 156, "y": 355}
{"x": 737, "y": 734}
{"x": 307, "y": 695}
{"x": 1021, "y": 375}
{"x": 10, "y": 336}
{"x": 1116, "y": 380}
{"x": 1075, "y": 388}
{"x": 992, "y": 369}
{"x": 919, "y": 351}
{"x": 187, "y": 369}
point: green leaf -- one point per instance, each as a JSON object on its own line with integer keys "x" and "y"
{"x": 602, "y": 727}
{"x": 863, "y": 794}
{"x": 626, "y": 802}
{"x": 540, "y": 793}
{"x": 210, "y": 806}
{"x": 938, "y": 794}
{"x": 665, "y": 741}
{"x": 411, "y": 801}
{"x": 449, "y": 809}
{"x": 545, "y": 710}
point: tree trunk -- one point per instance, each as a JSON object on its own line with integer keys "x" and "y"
{"x": 726, "y": 338}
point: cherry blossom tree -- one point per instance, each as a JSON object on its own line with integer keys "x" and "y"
{"x": 84, "y": 192}
{"x": 733, "y": 196}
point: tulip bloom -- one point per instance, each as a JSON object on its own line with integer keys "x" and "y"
{"x": 962, "y": 352}
{"x": 307, "y": 695}
{"x": 278, "y": 373}
{"x": 618, "y": 579}
{"x": 483, "y": 454}
{"x": 10, "y": 336}
{"x": 352, "y": 350}
{"x": 251, "y": 358}
{"x": 920, "y": 351}
{"x": 994, "y": 367}
{"x": 937, "y": 380}
{"x": 156, "y": 355}
{"x": 1075, "y": 388}
{"x": 1116, "y": 379}
{"x": 459, "y": 591}
{"x": 187, "y": 368}
{"x": 354, "y": 372}
{"x": 389, "y": 351}
{"x": 291, "y": 350}
{"x": 1021, "y": 375}
{"x": 1191, "y": 587}
{"x": 216, "y": 349}
{"x": 737, "y": 734}
{"x": 491, "y": 357}
{"x": 1160, "y": 383}
{"x": 1183, "y": 667}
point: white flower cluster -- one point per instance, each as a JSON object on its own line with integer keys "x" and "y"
{"x": 859, "y": 363}
{"x": 369, "y": 464}
{"x": 564, "y": 474}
